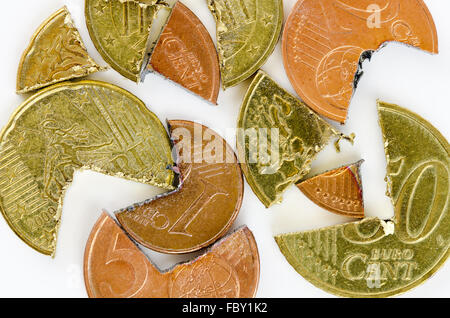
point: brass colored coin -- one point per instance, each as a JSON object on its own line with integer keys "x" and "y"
{"x": 374, "y": 258}
{"x": 286, "y": 130}
{"x": 115, "y": 267}
{"x": 338, "y": 191}
{"x": 204, "y": 207}
{"x": 120, "y": 32}
{"x": 67, "y": 127}
{"x": 247, "y": 33}
{"x": 56, "y": 53}
{"x": 324, "y": 41}
{"x": 185, "y": 53}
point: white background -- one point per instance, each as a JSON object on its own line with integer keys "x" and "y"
{"x": 396, "y": 74}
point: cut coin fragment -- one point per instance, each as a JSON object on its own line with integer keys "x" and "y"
{"x": 114, "y": 267}
{"x": 68, "y": 127}
{"x": 374, "y": 258}
{"x": 247, "y": 33}
{"x": 338, "y": 191}
{"x": 120, "y": 32}
{"x": 324, "y": 42}
{"x": 56, "y": 53}
{"x": 206, "y": 204}
{"x": 278, "y": 137}
{"x": 185, "y": 54}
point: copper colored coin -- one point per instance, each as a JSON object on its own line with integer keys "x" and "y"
{"x": 338, "y": 191}
{"x": 323, "y": 42}
{"x": 205, "y": 205}
{"x": 185, "y": 54}
{"x": 114, "y": 267}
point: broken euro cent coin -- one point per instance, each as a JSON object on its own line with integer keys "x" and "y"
{"x": 324, "y": 41}
{"x": 278, "y": 137}
{"x": 247, "y": 33}
{"x": 185, "y": 54}
{"x": 338, "y": 191}
{"x": 56, "y": 53}
{"x": 376, "y": 258}
{"x": 114, "y": 267}
{"x": 205, "y": 205}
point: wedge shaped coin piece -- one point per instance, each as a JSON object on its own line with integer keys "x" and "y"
{"x": 278, "y": 136}
{"x": 185, "y": 54}
{"x": 120, "y": 31}
{"x": 247, "y": 32}
{"x": 114, "y": 267}
{"x": 324, "y": 41}
{"x": 56, "y": 53}
{"x": 374, "y": 258}
{"x": 206, "y": 204}
{"x": 67, "y": 127}
{"x": 338, "y": 191}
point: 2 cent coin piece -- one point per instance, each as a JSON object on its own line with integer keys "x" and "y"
{"x": 56, "y": 53}
{"x": 247, "y": 32}
{"x": 120, "y": 31}
{"x": 338, "y": 191}
{"x": 278, "y": 137}
{"x": 375, "y": 258}
{"x": 68, "y": 127}
{"x": 324, "y": 42}
{"x": 205, "y": 205}
{"x": 185, "y": 54}
{"x": 115, "y": 267}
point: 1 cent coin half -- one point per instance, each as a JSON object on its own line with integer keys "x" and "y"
{"x": 114, "y": 267}
{"x": 205, "y": 205}
{"x": 323, "y": 43}
{"x": 185, "y": 54}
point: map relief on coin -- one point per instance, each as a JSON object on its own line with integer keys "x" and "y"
{"x": 67, "y": 127}
{"x": 324, "y": 41}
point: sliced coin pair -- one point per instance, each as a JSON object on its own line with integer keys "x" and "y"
{"x": 376, "y": 258}
{"x": 324, "y": 44}
{"x": 184, "y": 51}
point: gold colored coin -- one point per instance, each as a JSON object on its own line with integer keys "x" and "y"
{"x": 278, "y": 137}
{"x": 67, "y": 127}
{"x": 247, "y": 33}
{"x": 120, "y": 32}
{"x": 56, "y": 53}
{"x": 374, "y": 258}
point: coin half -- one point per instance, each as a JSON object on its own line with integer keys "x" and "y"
{"x": 325, "y": 41}
{"x": 338, "y": 191}
{"x": 374, "y": 258}
{"x": 56, "y": 53}
{"x": 206, "y": 204}
{"x": 115, "y": 267}
{"x": 278, "y": 137}
{"x": 67, "y": 127}
{"x": 120, "y": 32}
{"x": 185, "y": 54}
{"x": 247, "y": 32}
